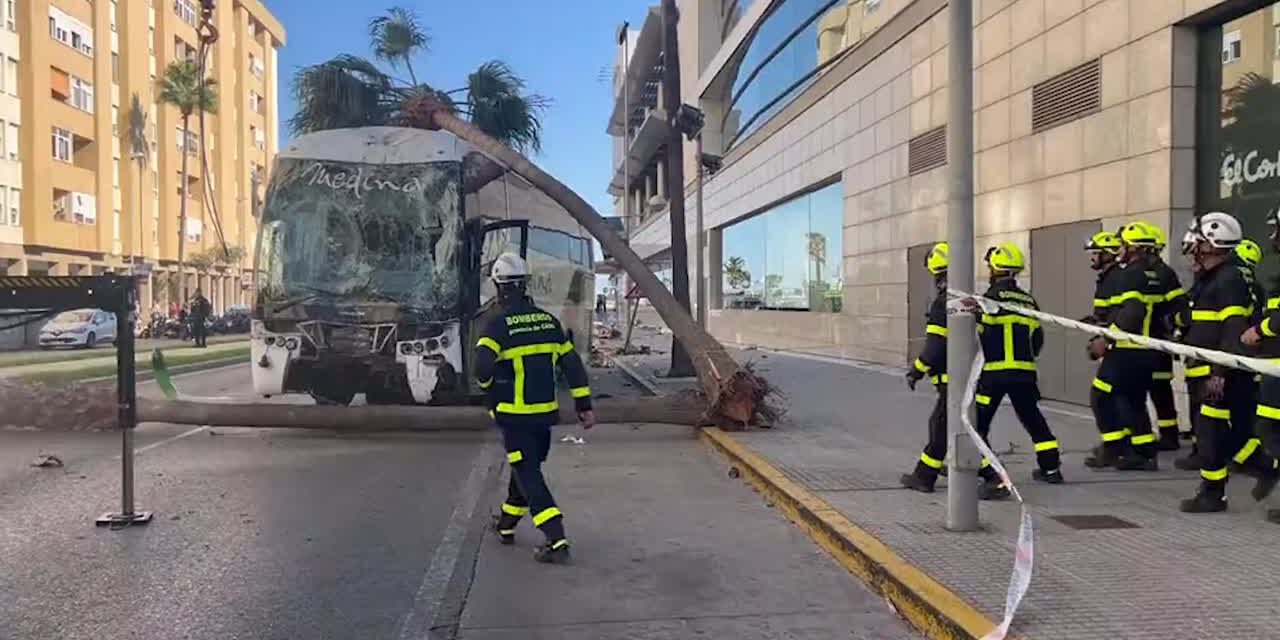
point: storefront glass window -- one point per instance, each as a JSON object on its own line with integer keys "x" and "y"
{"x": 788, "y": 257}
{"x": 1240, "y": 123}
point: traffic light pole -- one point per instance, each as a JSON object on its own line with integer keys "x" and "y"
{"x": 962, "y": 480}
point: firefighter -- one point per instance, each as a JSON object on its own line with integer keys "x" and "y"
{"x": 1220, "y": 313}
{"x": 933, "y": 364}
{"x": 1175, "y": 299}
{"x": 516, "y": 358}
{"x": 1103, "y": 249}
{"x": 1119, "y": 393}
{"x": 1191, "y": 373}
{"x": 1010, "y": 345}
{"x": 1265, "y": 337}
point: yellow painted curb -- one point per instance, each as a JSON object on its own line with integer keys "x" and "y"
{"x": 934, "y": 609}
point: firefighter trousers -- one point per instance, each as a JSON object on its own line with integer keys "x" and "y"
{"x": 1267, "y": 426}
{"x": 527, "y": 492}
{"x": 1224, "y": 430}
{"x": 1024, "y": 395}
{"x": 934, "y": 455}
{"x": 1119, "y": 401}
{"x": 1161, "y": 392}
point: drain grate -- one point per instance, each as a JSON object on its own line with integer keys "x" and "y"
{"x": 1094, "y": 522}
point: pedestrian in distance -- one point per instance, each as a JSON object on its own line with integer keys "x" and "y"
{"x": 1132, "y": 293}
{"x": 517, "y": 355}
{"x": 1221, "y": 310}
{"x": 200, "y": 310}
{"x": 1011, "y": 343}
{"x": 932, "y": 363}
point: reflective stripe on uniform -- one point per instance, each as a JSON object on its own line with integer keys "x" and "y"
{"x": 1007, "y": 365}
{"x": 1208, "y": 315}
{"x": 1247, "y": 450}
{"x": 566, "y": 347}
{"x": 1271, "y": 413}
{"x": 514, "y": 456}
{"x": 1101, "y": 302}
{"x": 545, "y": 515}
{"x": 1273, "y": 303}
{"x": 1047, "y": 445}
{"x": 513, "y": 510}
{"x": 1174, "y": 293}
{"x": 1143, "y": 439}
{"x": 1216, "y": 474}
{"x": 1008, "y": 322}
{"x": 1214, "y": 412}
{"x": 1266, "y": 328}
{"x": 983, "y": 400}
{"x": 1113, "y": 436}
{"x": 1168, "y": 422}
{"x": 548, "y": 348}
{"x": 930, "y": 461}
{"x": 485, "y": 384}
{"x": 936, "y": 329}
{"x": 516, "y": 356}
{"x": 1162, "y": 375}
{"x": 528, "y": 409}
{"x": 559, "y": 544}
{"x": 1197, "y": 372}
{"x": 491, "y": 344}
{"x": 942, "y": 379}
{"x": 1101, "y": 385}
{"x": 580, "y": 392}
{"x": 920, "y": 366}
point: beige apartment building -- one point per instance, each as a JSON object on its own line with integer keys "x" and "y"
{"x": 75, "y": 199}
{"x": 831, "y": 118}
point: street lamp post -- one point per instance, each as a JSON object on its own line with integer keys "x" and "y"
{"x": 962, "y": 481}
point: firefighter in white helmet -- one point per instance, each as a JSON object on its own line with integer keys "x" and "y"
{"x": 516, "y": 357}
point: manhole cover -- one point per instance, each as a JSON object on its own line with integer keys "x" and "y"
{"x": 1094, "y": 522}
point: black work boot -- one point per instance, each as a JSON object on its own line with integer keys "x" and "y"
{"x": 1207, "y": 500}
{"x": 1052, "y": 476}
{"x": 1186, "y": 435}
{"x": 1265, "y": 485}
{"x": 1191, "y": 462}
{"x": 916, "y": 483}
{"x": 1273, "y": 515}
{"x": 553, "y": 552}
{"x": 993, "y": 489}
{"x": 1137, "y": 463}
{"x": 505, "y": 528}
{"x": 1102, "y": 457}
{"x": 1168, "y": 440}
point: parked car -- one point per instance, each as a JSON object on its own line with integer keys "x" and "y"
{"x": 83, "y": 328}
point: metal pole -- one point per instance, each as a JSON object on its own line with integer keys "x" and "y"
{"x": 625, "y": 36}
{"x": 701, "y": 289}
{"x": 127, "y": 411}
{"x": 962, "y": 481}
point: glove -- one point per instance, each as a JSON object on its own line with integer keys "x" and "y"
{"x": 1097, "y": 347}
{"x": 913, "y": 376}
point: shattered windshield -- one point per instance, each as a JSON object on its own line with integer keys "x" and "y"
{"x": 362, "y": 232}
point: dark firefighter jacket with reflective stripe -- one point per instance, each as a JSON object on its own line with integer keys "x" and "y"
{"x": 1269, "y": 327}
{"x": 1102, "y": 292}
{"x": 1256, "y": 293}
{"x": 1175, "y": 299}
{"x": 1220, "y": 310}
{"x": 1010, "y": 342}
{"x": 516, "y": 358}
{"x": 1137, "y": 292}
{"x": 933, "y": 360}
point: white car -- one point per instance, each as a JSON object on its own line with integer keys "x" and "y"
{"x": 84, "y": 328}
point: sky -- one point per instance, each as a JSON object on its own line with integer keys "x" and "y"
{"x": 564, "y": 50}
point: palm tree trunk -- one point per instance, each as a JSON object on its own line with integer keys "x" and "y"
{"x": 182, "y": 214}
{"x": 409, "y": 65}
{"x": 733, "y": 391}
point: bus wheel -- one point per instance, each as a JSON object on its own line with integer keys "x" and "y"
{"x": 333, "y": 398}
{"x": 388, "y": 394}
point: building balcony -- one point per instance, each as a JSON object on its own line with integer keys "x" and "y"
{"x": 68, "y": 177}
{"x": 65, "y": 116}
{"x": 640, "y": 68}
{"x": 649, "y": 138}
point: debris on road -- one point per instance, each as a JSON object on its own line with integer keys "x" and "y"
{"x": 573, "y": 439}
{"x": 47, "y": 460}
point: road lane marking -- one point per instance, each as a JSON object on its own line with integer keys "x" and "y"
{"x": 170, "y": 439}
{"x": 417, "y": 622}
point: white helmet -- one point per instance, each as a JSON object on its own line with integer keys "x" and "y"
{"x": 509, "y": 267}
{"x": 1220, "y": 230}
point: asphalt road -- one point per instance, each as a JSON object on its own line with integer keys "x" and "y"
{"x": 266, "y": 534}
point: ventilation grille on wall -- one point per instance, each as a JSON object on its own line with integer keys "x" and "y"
{"x": 1067, "y": 96}
{"x": 927, "y": 151}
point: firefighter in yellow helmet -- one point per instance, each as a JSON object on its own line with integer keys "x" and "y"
{"x": 1264, "y": 336}
{"x": 1010, "y": 345}
{"x": 1174, "y": 300}
{"x": 932, "y": 363}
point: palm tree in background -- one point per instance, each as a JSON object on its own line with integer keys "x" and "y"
{"x": 182, "y": 87}
{"x": 351, "y": 91}
{"x": 735, "y": 269}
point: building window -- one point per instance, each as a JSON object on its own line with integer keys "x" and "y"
{"x": 81, "y": 94}
{"x": 255, "y": 101}
{"x": 113, "y": 14}
{"x": 62, "y": 144}
{"x": 15, "y": 206}
{"x": 255, "y": 65}
{"x": 11, "y": 15}
{"x": 779, "y": 63}
{"x": 3, "y": 143}
{"x": 151, "y": 40}
{"x": 11, "y": 141}
{"x": 115, "y": 171}
{"x": 1231, "y": 47}
{"x": 115, "y": 121}
{"x": 186, "y": 10}
{"x": 70, "y": 31}
{"x": 789, "y": 257}
{"x": 115, "y": 67}
{"x": 11, "y": 77}
{"x": 84, "y": 208}
{"x": 195, "y": 229}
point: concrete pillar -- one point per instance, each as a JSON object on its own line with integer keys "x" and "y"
{"x": 715, "y": 269}
{"x": 16, "y": 267}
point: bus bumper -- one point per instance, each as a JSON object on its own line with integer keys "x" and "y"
{"x": 425, "y": 360}
{"x": 270, "y": 355}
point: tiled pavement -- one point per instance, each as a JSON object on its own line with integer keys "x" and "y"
{"x": 850, "y": 432}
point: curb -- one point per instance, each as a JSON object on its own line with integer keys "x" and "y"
{"x": 930, "y": 607}
{"x": 640, "y": 379}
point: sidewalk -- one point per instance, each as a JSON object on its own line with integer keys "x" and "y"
{"x": 1150, "y": 571}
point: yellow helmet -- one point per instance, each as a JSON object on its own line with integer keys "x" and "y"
{"x": 1159, "y": 235}
{"x": 1005, "y": 257}
{"x": 938, "y": 259}
{"x": 1138, "y": 233}
{"x": 1103, "y": 241}
{"x": 1249, "y": 252}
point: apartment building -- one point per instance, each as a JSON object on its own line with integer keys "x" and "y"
{"x": 75, "y": 198}
{"x": 831, "y": 119}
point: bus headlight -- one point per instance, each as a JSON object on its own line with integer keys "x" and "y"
{"x": 444, "y": 341}
{"x": 271, "y": 340}
{"x": 432, "y": 344}
{"x": 406, "y": 348}
{"x": 417, "y": 347}
{"x": 291, "y": 344}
